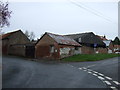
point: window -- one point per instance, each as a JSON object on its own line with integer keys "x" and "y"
{"x": 52, "y": 49}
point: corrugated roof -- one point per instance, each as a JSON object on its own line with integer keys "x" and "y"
{"x": 8, "y": 34}
{"x": 63, "y": 39}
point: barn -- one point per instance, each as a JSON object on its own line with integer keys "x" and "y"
{"x": 54, "y": 46}
{"x": 16, "y": 43}
{"x": 90, "y": 43}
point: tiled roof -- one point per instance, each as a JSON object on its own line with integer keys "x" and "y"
{"x": 61, "y": 39}
{"x": 7, "y": 34}
{"x": 102, "y": 37}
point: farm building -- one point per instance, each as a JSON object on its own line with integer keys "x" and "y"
{"x": 102, "y": 37}
{"x": 116, "y": 45}
{"x": 16, "y": 43}
{"x": 108, "y": 43}
{"x": 55, "y": 46}
{"x": 90, "y": 43}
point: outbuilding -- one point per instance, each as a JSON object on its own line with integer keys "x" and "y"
{"x": 90, "y": 43}
{"x": 17, "y": 43}
{"x": 54, "y": 46}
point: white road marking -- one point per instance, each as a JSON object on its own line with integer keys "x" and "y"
{"x": 89, "y": 72}
{"x": 114, "y": 88}
{"x": 84, "y": 70}
{"x": 90, "y": 66}
{"x": 80, "y": 68}
{"x": 100, "y": 74}
{"x": 116, "y": 82}
{"x": 108, "y": 78}
{"x": 107, "y": 82}
{"x": 100, "y": 77}
{"x": 95, "y": 74}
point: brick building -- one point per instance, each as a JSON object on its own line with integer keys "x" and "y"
{"x": 55, "y": 46}
{"x": 16, "y": 43}
{"x": 112, "y": 46}
{"x": 109, "y": 45}
{"x": 90, "y": 43}
{"x": 116, "y": 45}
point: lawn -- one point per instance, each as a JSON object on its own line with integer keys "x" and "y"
{"x": 90, "y": 57}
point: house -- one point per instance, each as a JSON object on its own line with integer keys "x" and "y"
{"x": 109, "y": 45}
{"x": 90, "y": 43}
{"x": 116, "y": 45}
{"x": 16, "y": 43}
{"x": 55, "y": 46}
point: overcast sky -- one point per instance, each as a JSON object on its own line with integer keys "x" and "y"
{"x": 65, "y": 17}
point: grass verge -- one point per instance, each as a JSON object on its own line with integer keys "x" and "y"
{"x": 90, "y": 57}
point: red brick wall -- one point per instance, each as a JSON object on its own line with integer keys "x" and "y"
{"x": 15, "y": 38}
{"x": 116, "y": 46}
{"x": 42, "y": 49}
{"x": 87, "y": 50}
{"x": 90, "y": 50}
{"x": 18, "y": 38}
{"x": 102, "y": 50}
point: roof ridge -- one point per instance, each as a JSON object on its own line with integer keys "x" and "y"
{"x": 54, "y": 34}
{"x": 80, "y": 33}
{"x": 8, "y": 34}
{"x": 13, "y": 31}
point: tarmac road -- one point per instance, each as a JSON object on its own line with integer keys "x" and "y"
{"x": 22, "y": 73}
{"x": 108, "y": 71}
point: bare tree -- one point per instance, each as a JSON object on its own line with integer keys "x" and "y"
{"x": 27, "y": 33}
{"x": 5, "y": 14}
{"x": 32, "y": 36}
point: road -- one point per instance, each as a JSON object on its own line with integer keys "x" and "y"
{"x": 23, "y": 73}
{"x": 107, "y": 71}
